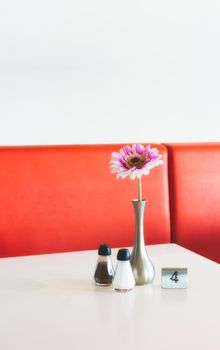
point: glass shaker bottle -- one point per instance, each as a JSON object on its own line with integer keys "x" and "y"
{"x": 104, "y": 271}
{"x": 124, "y": 279}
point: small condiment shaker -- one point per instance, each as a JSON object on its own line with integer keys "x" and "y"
{"x": 124, "y": 279}
{"x": 104, "y": 271}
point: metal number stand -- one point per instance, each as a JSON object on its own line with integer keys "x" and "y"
{"x": 174, "y": 277}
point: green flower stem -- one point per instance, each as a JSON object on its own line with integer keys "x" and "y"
{"x": 139, "y": 190}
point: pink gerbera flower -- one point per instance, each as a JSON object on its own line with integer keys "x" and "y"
{"x": 135, "y": 161}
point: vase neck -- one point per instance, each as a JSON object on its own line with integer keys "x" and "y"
{"x": 139, "y": 207}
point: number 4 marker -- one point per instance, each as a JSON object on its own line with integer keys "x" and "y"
{"x": 174, "y": 277}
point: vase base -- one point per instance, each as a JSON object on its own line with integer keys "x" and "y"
{"x": 143, "y": 283}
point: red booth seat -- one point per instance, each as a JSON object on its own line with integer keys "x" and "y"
{"x": 64, "y": 198}
{"x": 194, "y": 180}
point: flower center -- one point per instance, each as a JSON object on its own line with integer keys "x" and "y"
{"x": 136, "y": 161}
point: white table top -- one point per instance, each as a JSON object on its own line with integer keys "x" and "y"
{"x": 50, "y": 302}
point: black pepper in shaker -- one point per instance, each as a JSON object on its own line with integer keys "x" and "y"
{"x": 104, "y": 271}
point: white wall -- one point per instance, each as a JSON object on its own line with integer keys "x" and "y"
{"x": 98, "y": 71}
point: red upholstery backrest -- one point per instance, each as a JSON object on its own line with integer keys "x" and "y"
{"x": 64, "y": 198}
{"x": 194, "y": 177}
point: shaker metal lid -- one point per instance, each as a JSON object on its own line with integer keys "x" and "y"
{"x": 104, "y": 249}
{"x": 123, "y": 254}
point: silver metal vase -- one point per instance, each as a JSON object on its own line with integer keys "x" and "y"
{"x": 141, "y": 264}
